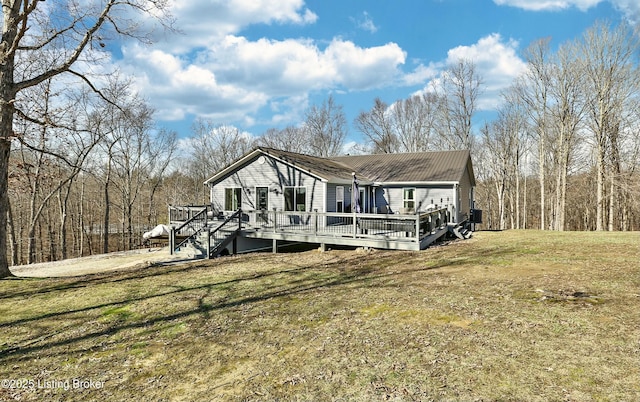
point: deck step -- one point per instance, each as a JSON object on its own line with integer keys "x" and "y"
{"x": 460, "y": 232}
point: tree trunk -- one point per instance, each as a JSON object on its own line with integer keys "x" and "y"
{"x": 541, "y": 175}
{"x": 107, "y": 206}
{"x": 5, "y": 150}
{"x": 10, "y": 13}
{"x": 81, "y": 223}
{"x": 600, "y": 190}
{"x": 14, "y": 241}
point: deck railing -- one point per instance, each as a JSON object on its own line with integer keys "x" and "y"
{"x": 196, "y": 222}
{"x": 410, "y": 227}
{"x": 185, "y": 213}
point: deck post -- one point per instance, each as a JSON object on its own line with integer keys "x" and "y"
{"x": 275, "y": 220}
{"x": 172, "y": 240}
{"x": 275, "y": 246}
{"x": 315, "y": 222}
{"x": 418, "y": 226}
{"x": 208, "y": 243}
{"x": 355, "y": 225}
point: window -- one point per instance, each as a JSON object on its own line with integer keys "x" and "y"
{"x": 262, "y": 198}
{"x": 232, "y": 199}
{"x": 295, "y": 199}
{"x": 409, "y": 198}
{"x": 339, "y": 198}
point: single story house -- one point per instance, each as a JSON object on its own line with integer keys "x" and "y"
{"x": 408, "y": 183}
{"x": 403, "y": 201}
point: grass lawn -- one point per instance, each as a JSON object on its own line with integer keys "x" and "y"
{"x": 515, "y": 315}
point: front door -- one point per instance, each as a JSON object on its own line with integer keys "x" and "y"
{"x": 262, "y": 202}
{"x": 262, "y": 198}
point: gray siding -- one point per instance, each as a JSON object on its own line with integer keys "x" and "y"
{"x": 465, "y": 194}
{"x": 275, "y": 176}
{"x": 440, "y": 196}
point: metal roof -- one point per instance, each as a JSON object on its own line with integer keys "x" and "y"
{"x": 440, "y": 166}
{"x": 326, "y": 168}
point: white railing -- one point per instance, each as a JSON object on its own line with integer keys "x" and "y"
{"x": 356, "y": 225}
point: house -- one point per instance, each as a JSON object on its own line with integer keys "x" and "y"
{"x": 403, "y": 201}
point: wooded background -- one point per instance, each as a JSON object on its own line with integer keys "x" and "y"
{"x": 88, "y": 175}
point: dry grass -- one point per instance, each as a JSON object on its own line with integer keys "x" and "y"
{"x": 505, "y": 316}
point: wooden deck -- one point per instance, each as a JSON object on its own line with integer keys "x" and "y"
{"x": 384, "y": 231}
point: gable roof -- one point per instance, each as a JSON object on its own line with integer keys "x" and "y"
{"x": 321, "y": 168}
{"x": 441, "y": 166}
{"x": 328, "y": 169}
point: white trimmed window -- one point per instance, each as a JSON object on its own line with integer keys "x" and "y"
{"x": 295, "y": 199}
{"x": 339, "y": 198}
{"x": 232, "y": 198}
{"x": 409, "y": 198}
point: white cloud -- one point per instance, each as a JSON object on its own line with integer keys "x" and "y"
{"x": 202, "y": 22}
{"x": 422, "y": 74}
{"x": 364, "y": 68}
{"x": 235, "y": 77}
{"x": 543, "y": 5}
{"x": 211, "y": 71}
{"x": 496, "y": 61}
{"x": 178, "y": 88}
{"x": 365, "y": 23}
{"x": 631, "y": 8}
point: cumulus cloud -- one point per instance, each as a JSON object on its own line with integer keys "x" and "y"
{"x": 178, "y": 88}
{"x": 236, "y": 77}
{"x": 496, "y": 61}
{"x": 631, "y": 8}
{"x": 209, "y": 69}
{"x": 422, "y": 74}
{"x": 542, "y": 5}
{"x": 201, "y": 22}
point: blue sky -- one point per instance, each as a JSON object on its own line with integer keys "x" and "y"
{"x": 256, "y": 64}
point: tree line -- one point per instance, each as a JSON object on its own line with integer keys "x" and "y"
{"x": 88, "y": 171}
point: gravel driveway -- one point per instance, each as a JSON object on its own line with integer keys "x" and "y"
{"x": 97, "y": 263}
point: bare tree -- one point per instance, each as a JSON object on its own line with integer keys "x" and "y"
{"x": 53, "y": 148}
{"x": 612, "y": 80}
{"x": 566, "y": 113}
{"x": 133, "y": 157}
{"x": 290, "y": 138}
{"x": 533, "y": 90}
{"x": 211, "y": 148}
{"x": 326, "y": 128}
{"x": 414, "y": 120}
{"x": 59, "y": 35}
{"x": 459, "y": 89}
{"x": 377, "y": 128}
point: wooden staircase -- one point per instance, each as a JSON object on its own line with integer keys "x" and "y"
{"x": 461, "y": 231}
{"x": 201, "y": 237}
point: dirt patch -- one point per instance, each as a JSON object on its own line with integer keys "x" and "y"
{"x": 97, "y": 263}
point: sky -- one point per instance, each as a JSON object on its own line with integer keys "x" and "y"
{"x": 259, "y": 64}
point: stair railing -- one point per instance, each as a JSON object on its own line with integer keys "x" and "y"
{"x": 222, "y": 238}
{"x": 189, "y": 229}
